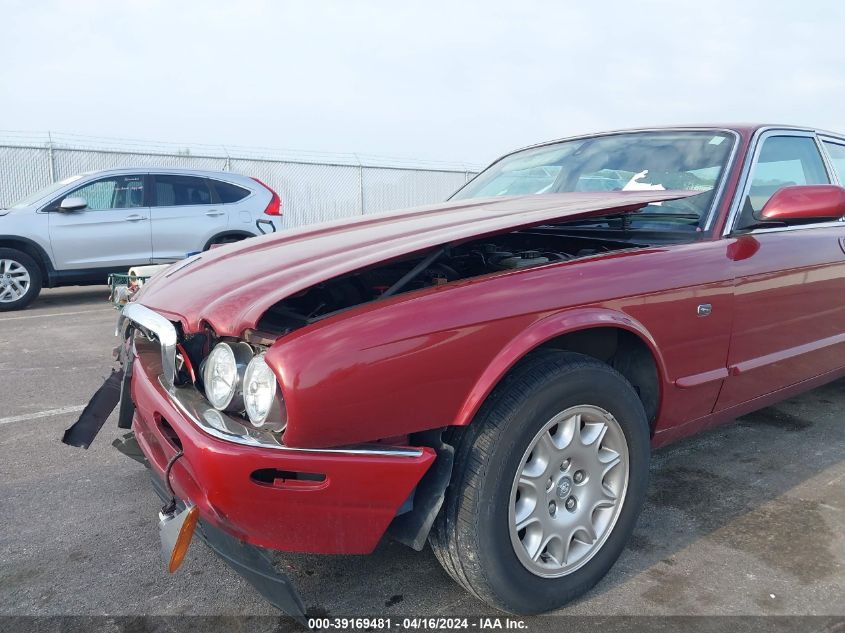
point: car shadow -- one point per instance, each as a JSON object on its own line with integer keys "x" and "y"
{"x": 732, "y": 477}
{"x": 729, "y": 485}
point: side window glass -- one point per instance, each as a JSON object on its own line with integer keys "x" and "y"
{"x": 837, "y": 157}
{"x": 119, "y": 192}
{"x": 177, "y": 191}
{"x": 784, "y": 161}
{"x": 227, "y": 192}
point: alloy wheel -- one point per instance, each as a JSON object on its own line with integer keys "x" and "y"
{"x": 14, "y": 280}
{"x": 568, "y": 491}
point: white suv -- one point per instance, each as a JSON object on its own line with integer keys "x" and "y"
{"x": 79, "y": 230}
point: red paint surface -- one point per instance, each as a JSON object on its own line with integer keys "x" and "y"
{"x": 789, "y": 322}
{"x": 428, "y": 359}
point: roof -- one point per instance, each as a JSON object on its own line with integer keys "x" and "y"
{"x": 740, "y": 128}
{"x": 211, "y": 173}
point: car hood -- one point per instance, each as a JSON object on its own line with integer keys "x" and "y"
{"x": 232, "y": 286}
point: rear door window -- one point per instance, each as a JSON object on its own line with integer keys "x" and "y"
{"x": 178, "y": 191}
{"x": 836, "y": 152}
{"x": 227, "y": 192}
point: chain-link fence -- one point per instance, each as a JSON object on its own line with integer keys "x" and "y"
{"x": 313, "y": 187}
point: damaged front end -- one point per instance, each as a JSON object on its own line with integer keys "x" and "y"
{"x": 239, "y": 485}
{"x": 177, "y": 520}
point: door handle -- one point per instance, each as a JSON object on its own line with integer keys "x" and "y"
{"x": 134, "y": 218}
{"x": 213, "y": 213}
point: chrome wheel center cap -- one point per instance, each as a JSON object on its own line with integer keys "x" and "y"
{"x": 564, "y": 487}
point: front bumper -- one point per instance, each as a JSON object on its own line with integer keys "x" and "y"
{"x": 250, "y": 489}
{"x": 330, "y": 501}
{"x": 249, "y": 561}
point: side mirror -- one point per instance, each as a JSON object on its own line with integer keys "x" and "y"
{"x": 73, "y": 204}
{"x": 805, "y": 203}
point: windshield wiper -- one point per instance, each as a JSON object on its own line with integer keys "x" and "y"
{"x": 668, "y": 214}
{"x": 623, "y": 221}
{"x": 602, "y": 219}
{"x": 684, "y": 218}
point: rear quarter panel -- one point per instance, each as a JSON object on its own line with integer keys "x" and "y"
{"x": 244, "y": 213}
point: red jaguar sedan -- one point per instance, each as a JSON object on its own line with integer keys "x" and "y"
{"x": 490, "y": 374}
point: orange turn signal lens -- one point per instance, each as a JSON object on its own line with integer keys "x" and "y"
{"x": 186, "y": 533}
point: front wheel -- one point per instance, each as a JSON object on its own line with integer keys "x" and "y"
{"x": 20, "y": 279}
{"x": 549, "y": 481}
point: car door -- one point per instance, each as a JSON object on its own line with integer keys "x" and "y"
{"x": 789, "y": 320}
{"x": 113, "y": 231}
{"x": 184, "y": 216}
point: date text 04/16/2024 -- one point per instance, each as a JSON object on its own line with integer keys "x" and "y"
{"x": 418, "y": 623}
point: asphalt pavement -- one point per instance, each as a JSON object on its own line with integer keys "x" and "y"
{"x": 747, "y": 519}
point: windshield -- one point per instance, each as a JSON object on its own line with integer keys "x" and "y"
{"x": 636, "y": 161}
{"x": 44, "y": 192}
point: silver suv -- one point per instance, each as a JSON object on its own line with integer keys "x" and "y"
{"x": 80, "y": 229}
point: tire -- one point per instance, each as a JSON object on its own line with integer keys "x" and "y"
{"x": 475, "y": 537}
{"x": 18, "y": 271}
{"x": 226, "y": 239}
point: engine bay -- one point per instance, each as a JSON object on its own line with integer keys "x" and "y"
{"x": 495, "y": 254}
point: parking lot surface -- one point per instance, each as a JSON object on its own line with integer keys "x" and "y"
{"x": 746, "y": 519}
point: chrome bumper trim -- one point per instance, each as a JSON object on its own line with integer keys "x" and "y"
{"x": 152, "y": 323}
{"x": 224, "y": 427}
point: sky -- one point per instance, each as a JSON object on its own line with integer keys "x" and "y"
{"x": 460, "y": 82}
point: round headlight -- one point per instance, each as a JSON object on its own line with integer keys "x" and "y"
{"x": 223, "y": 372}
{"x": 259, "y": 391}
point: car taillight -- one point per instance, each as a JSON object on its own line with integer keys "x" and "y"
{"x": 275, "y": 206}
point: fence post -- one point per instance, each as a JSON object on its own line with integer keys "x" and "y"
{"x": 50, "y": 157}
{"x": 227, "y": 166}
{"x": 360, "y": 184}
